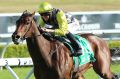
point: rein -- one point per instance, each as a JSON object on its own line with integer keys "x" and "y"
{"x": 29, "y": 30}
{"x": 53, "y": 51}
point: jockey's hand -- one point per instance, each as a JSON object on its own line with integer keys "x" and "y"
{"x": 43, "y": 29}
{"x": 48, "y": 30}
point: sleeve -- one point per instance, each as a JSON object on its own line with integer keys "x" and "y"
{"x": 62, "y": 23}
{"x": 41, "y": 22}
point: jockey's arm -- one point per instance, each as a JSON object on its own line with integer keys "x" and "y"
{"x": 42, "y": 25}
{"x": 62, "y": 23}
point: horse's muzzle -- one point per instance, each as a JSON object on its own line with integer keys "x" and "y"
{"x": 16, "y": 39}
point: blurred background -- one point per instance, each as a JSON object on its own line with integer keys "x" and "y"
{"x": 95, "y": 16}
{"x": 11, "y": 6}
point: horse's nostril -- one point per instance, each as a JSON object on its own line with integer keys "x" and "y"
{"x": 17, "y": 36}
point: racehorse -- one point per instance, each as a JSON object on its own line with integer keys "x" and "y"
{"x": 51, "y": 59}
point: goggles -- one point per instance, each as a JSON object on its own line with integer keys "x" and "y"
{"x": 45, "y": 14}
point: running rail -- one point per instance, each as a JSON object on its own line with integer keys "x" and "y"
{"x": 8, "y": 62}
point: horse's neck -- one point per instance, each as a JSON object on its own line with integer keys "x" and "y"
{"x": 38, "y": 36}
{"x": 41, "y": 45}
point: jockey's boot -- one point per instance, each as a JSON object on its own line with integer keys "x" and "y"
{"x": 75, "y": 45}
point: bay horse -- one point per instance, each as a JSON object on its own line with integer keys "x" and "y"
{"x": 51, "y": 59}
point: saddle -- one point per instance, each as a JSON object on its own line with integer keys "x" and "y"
{"x": 66, "y": 42}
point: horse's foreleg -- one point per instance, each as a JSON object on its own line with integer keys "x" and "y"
{"x": 37, "y": 73}
{"x": 76, "y": 76}
{"x": 81, "y": 77}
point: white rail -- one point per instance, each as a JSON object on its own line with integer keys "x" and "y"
{"x": 16, "y": 61}
{"x": 115, "y": 58}
{"x": 8, "y": 62}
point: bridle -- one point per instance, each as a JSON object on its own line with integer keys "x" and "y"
{"x": 27, "y": 27}
{"x": 24, "y": 26}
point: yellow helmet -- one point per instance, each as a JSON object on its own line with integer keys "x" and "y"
{"x": 45, "y": 7}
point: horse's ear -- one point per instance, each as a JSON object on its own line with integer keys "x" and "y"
{"x": 33, "y": 13}
{"x": 25, "y": 12}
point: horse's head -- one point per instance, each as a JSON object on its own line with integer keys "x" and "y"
{"x": 23, "y": 27}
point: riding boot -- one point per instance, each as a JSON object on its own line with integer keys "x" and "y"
{"x": 75, "y": 44}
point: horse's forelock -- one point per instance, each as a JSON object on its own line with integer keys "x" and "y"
{"x": 24, "y": 15}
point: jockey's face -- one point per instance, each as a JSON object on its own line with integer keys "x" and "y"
{"x": 45, "y": 16}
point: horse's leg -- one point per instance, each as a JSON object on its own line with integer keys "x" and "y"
{"x": 102, "y": 54}
{"x": 37, "y": 73}
{"x": 37, "y": 76}
{"x": 81, "y": 77}
{"x": 82, "y": 69}
{"x": 102, "y": 64}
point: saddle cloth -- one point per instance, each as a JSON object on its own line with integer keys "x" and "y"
{"x": 88, "y": 54}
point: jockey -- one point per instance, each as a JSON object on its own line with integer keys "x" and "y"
{"x": 59, "y": 25}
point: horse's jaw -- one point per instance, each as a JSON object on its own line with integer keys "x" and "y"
{"x": 18, "y": 41}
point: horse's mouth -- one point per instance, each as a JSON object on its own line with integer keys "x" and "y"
{"x": 16, "y": 41}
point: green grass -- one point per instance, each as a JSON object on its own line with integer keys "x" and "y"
{"x": 22, "y": 72}
{"x": 10, "y": 6}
